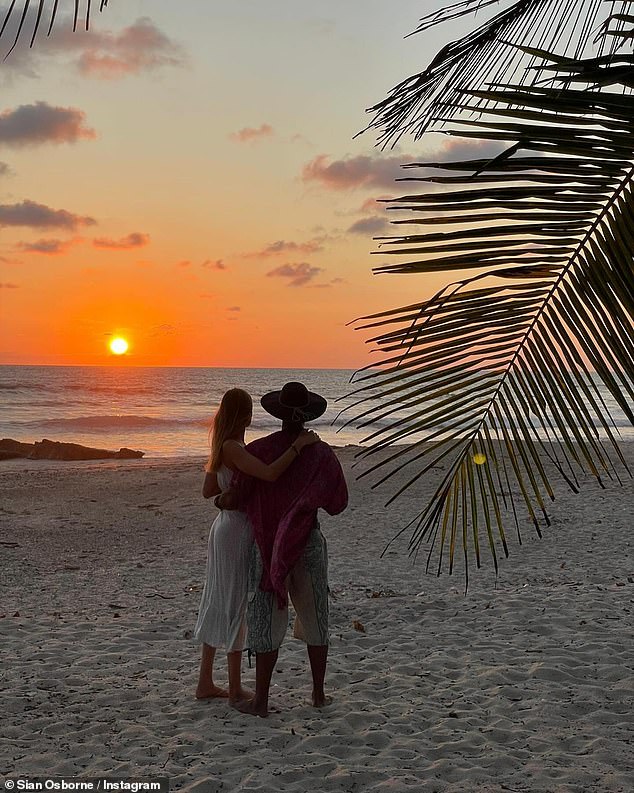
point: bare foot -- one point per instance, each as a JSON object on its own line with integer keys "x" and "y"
{"x": 320, "y": 700}
{"x": 249, "y": 707}
{"x": 211, "y": 692}
{"x": 243, "y": 694}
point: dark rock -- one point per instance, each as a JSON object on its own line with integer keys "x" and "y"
{"x": 6, "y": 455}
{"x": 10, "y": 449}
{"x": 56, "y": 450}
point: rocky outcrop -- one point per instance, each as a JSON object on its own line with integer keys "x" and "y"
{"x": 56, "y": 450}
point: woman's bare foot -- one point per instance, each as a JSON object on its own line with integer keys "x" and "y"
{"x": 250, "y": 707}
{"x": 210, "y": 692}
{"x": 243, "y": 694}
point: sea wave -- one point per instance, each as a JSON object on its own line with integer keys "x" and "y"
{"x": 114, "y": 389}
{"x": 23, "y": 387}
{"x": 108, "y": 423}
{"x": 261, "y": 423}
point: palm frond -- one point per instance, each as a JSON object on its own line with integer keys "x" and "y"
{"x": 494, "y": 52}
{"x": 18, "y": 14}
{"x": 502, "y": 376}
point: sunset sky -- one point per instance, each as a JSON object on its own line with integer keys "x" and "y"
{"x": 185, "y": 175}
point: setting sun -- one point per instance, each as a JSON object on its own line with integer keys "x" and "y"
{"x": 118, "y": 346}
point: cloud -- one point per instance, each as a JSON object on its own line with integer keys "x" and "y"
{"x": 48, "y": 247}
{"x": 140, "y": 47}
{"x": 210, "y": 264}
{"x": 351, "y": 173}
{"x": 29, "y": 125}
{"x": 298, "y": 274}
{"x": 371, "y": 225}
{"x": 133, "y": 240}
{"x": 4, "y": 169}
{"x": 284, "y": 247}
{"x": 365, "y": 171}
{"x": 330, "y": 284}
{"x": 234, "y": 308}
{"x": 248, "y": 134}
{"x": 457, "y": 148}
{"x": 183, "y": 263}
{"x": 371, "y": 205}
{"x": 6, "y": 285}
{"x": 29, "y": 213}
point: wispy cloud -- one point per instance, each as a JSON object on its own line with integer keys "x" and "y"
{"x": 288, "y": 246}
{"x": 34, "y": 215}
{"x": 211, "y": 264}
{"x": 50, "y": 247}
{"x": 456, "y": 148}
{"x": 365, "y": 171}
{"x": 4, "y": 169}
{"x": 372, "y": 225}
{"x": 371, "y": 205}
{"x": 298, "y": 274}
{"x": 329, "y": 284}
{"x": 351, "y": 173}
{"x": 7, "y": 285}
{"x": 133, "y": 240}
{"x": 248, "y": 134}
{"x": 234, "y": 308}
{"x": 140, "y": 47}
{"x": 29, "y": 125}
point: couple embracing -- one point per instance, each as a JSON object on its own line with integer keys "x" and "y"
{"x": 266, "y": 544}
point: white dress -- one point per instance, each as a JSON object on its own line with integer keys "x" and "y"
{"x": 221, "y": 616}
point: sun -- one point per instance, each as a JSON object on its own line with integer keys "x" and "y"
{"x": 118, "y": 345}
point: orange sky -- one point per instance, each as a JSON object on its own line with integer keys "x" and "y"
{"x": 211, "y": 215}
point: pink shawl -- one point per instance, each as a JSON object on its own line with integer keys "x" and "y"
{"x": 284, "y": 512}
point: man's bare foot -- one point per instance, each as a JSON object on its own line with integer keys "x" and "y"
{"x": 249, "y": 707}
{"x": 211, "y": 692}
{"x": 320, "y": 700}
{"x": 243, "y": 694}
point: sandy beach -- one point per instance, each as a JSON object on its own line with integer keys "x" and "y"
{"x": 526, "y": 684}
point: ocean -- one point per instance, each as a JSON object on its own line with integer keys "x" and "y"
{"x": 164, "y": 412}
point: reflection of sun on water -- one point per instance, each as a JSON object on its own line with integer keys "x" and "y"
{"x": 118, "y": 346}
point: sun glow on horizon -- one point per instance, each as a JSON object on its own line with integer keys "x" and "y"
{"x": 118, "y": 345}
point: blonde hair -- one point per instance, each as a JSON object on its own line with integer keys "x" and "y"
{"x": 236, "y": 406}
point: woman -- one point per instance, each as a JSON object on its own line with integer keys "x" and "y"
{"x": 222, "y": 607}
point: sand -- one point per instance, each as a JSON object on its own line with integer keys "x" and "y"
{"x": 525, "y": 684}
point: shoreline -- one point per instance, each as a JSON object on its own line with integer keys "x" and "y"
{"x": 524, "y": 683}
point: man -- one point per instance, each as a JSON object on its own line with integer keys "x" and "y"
{"x": 289, "y": 555}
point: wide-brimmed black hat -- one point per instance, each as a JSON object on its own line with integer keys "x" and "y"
{"x": 294, "y": 403}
